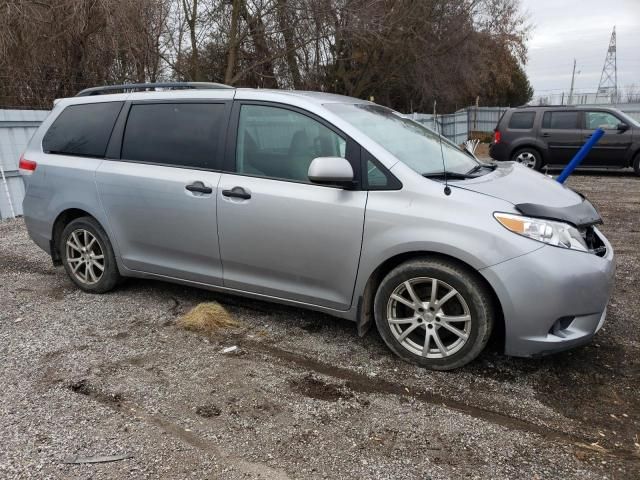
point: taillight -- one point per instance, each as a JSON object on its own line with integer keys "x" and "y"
{"x": 27, "y": 167}
{"x": 497, "y": 136}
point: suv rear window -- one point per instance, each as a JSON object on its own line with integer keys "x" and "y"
{"x": 82, "y": 129}
{"x": 560, "y": 120}
{"x": 175, "y": 134}
{"x": 522, "y": 120}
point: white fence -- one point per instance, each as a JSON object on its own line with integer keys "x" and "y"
{"x": 16, "y": 129}
{"x": 456, "y": 126}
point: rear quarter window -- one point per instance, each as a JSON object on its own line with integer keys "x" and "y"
{"x": 522, "y": 120}
{"x": 82, "y": 129}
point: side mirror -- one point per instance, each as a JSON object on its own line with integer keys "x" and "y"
{"x": 623, "y": 127}
{"x": 331, "y": 171}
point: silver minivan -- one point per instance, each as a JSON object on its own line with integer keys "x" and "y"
{"x": 321, "y": 201}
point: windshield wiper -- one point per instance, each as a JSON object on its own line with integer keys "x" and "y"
{"x": 480, "y": 166}
{"x": 448, "y": 175}
{"x": 458, "y": 175}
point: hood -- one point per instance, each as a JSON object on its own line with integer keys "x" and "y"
{"x": 533, "y": 194}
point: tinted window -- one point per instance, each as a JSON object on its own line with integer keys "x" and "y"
{"x": 82, "y": 129}
{"x": 601, "y": 120}
{"x": 560, "y": 120}
{"x": 279, "y": 143}
{"x": 522, "y": 120}
{"x": 178, "y": 134}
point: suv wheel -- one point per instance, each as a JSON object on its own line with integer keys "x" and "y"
{"x": 636, "y": 164}
{"x": 528, "y": 157}
{"x": 87, "y": 256}
{"x": 434, "y": 313}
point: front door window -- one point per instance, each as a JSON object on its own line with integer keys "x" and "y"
{"x": 279, "y": 143}
{"x": 603, "y": 120}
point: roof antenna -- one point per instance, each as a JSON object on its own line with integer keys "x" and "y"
{"x": 447, "y": 189}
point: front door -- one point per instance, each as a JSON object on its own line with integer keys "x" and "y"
{"x": 612, "y": 149}
{"x": 280, "y": 235}
{"x": 561, "y": 132}
{"x": 160, "y": 198}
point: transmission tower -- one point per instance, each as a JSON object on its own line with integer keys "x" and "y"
{"x": 608, "y": 86}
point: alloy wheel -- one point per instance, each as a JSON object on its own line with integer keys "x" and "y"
{"x": 429, "y": 317}
{"x": 528, "y": 159}
{"x": 85, "y": 256}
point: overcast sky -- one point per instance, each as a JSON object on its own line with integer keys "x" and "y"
{"x": 581, "y": 29}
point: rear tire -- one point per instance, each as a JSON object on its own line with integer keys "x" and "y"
{"x": 87, "y": 256}
{"x": 636, "y": 164}
{"x": 529, "y": 157}
{"x": 442, "y": 327}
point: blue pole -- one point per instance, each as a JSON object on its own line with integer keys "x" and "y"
{"x": 579, "y": 157}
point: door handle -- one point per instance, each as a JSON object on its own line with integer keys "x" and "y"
{"x": 546, "y": 135}
{"x": 237, "y": 192}
{"x": 199, "y": 187}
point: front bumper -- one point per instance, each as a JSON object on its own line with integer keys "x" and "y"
{"x": 552, "y": 299}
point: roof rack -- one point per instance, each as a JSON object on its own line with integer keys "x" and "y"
{"x": 150, "y": 86}
{"x": 544, "y": 106}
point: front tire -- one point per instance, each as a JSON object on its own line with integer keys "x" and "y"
{"x": 528, "y": 157}
{"x": 434, "y": 313}
{"x": 636, "y": 164}
{"x": 88, "y": 257}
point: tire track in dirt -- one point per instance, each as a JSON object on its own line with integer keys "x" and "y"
{"x": 364, "y": 384}
{"x": 126, "y": 407}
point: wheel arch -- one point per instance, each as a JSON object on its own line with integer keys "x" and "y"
{"x": 635, "y": 159}
{"x": 541, "y": 151}
{"x": 366, "y": 300}
{"x": 62, "y": 220}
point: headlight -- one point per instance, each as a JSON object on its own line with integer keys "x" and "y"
{"x": 558, "y": 234}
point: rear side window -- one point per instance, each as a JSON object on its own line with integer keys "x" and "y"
{"x": 560, "y": 120}
{"x": 175, "y": 134}
{"x": 522, "y": 120}
{"x": 82, "y": 129}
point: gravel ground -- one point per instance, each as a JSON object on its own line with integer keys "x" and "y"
{"x": 303, "y": 396}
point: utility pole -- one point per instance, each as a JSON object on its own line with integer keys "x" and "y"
{"x": 435, "y": 117}
{"x": 475, "y": 114}
{"x": 608, "y": 86}
{"x": 573, "y": 78}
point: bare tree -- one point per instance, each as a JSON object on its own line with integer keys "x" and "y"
{"x": 236, "y": 7}
{"x": 405, "y": 53}
{"x": 632, "y": 93}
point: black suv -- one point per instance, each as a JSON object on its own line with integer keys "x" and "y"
{"x": 538, "y": 136}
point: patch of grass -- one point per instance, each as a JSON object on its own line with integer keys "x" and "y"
{"x": 207, "y": 318}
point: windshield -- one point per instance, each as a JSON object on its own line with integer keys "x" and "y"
{"x": 629, "y": 119}
{"x": 411, "y": 143}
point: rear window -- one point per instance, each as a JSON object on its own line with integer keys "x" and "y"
{"x": 82, "y": 129}
{"x": 175, "y": 134}
{"x": 560, "y": 120}
{"x": 522, "y": 120}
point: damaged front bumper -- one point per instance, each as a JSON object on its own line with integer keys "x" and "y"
{"x": 553, "y": 298}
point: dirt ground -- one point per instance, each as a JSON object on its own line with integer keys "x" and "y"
{"x": 302, "y": 396}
